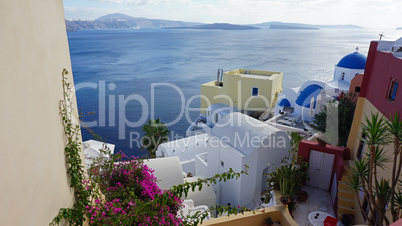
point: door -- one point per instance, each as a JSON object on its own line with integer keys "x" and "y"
{"x": 264, "y": 182}
{"x": 320, "y": 171}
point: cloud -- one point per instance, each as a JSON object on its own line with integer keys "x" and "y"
{"x": 369, "y": 13}
{"x": 86, "y": 13}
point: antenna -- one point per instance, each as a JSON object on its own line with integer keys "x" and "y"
{"x": 381, "y": 35}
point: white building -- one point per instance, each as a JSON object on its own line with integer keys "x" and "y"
{"x": 307, "y": 99}
{"x": 235, "y": 141}
{"x": 94, "y": 149}
{"x": 169, "y": 173}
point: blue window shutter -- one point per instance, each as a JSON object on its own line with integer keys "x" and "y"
{"x": 394, "y": 91}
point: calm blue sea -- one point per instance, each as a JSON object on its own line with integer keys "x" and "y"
{"x": 116, "y": 72}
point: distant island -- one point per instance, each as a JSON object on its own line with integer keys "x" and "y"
{"x": 282, "y": 25}
{"x": 292, "y": 27}
{"x": 218, "y": 26}
{"x": 399, "y": 28}
{"x": 119, "y": 21}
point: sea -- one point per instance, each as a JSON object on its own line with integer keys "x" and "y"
{"x": 129, "y": 76}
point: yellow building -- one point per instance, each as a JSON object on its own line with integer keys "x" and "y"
{"x": 248, "y": 90}
{"x": 379, "y": 94}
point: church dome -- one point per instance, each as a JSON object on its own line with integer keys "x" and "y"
{"x": 353, "y": 61}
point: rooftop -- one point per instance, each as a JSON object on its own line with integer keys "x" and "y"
{"x": 246, "y": 73}
{"x": 353, "y": 61}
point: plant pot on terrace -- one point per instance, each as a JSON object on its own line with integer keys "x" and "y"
{"x": 302, "y": 196}
{"x": 321, "y": 142}
{"x": 285, "y": 201}
{"x": 347, "y": 219}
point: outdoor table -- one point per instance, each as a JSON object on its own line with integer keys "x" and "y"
{"x": 319, "y": 221}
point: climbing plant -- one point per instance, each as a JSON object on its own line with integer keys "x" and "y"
{"x": 75, "y": 171}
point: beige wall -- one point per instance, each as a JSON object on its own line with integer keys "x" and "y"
{"x": 238, "y": 86}
{"x": 277, "y": 213}
{"x": 34, "y": 51}
{"x": 365, "y": 108}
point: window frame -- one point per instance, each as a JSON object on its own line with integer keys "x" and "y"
{"x": 360, "y": 149}
{"x": 252, "y": 91}
{"x": 357, "y": 89}
{"x": 392, "y": 90}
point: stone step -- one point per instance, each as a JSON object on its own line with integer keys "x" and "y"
{"x": 345, "y": 210}
{"x": 346, "y": 202}
{"x": 343, "y": 185}
{"x": 345, "y": 178}
{"x": 346, "y": 193}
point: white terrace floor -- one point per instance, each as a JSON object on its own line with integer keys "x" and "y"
{"x": 318, "y": 200}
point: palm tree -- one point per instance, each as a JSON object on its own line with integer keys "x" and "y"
{"x": 378, "y": 133}
{"x": 395, "y": 130}
{"x": 156, "y": 133}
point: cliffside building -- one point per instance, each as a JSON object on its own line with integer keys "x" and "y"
{"x": 241, "y": 90}
{"x": 307, "y": 99}
{"x": 380, "y": 93}
{"x": 235, "y": 141}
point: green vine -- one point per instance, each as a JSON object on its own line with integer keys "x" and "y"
{"x": 75, "y": 171}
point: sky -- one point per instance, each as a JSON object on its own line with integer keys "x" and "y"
{"x": 366, "y": 13}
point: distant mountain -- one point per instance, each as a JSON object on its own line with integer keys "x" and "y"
{"x": 117, "y": 20}
{"x": 338, "y": 26}
{"x": 297, "y": 25}
{"x": 218, "y": 26}
{"x": 115, "y": 16}
{"x": 399, "y": 28}
{"x": 273, "y": 26}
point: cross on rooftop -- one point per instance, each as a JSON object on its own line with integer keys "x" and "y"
{"x": 357, "y": 49}
{"x": 381, "y": 35}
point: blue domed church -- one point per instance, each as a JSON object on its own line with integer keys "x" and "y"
{"x": 349, "y": 66}
{"x": 307, "y": 99}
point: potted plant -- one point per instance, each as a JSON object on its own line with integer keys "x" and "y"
{"x": 347, "y": 219}
{"x": 268, "y": 222}
{"x": 301, "y": 178}
{"x": 273, "y": 181}
{"x": 302, "y": 196}
{"x": 287, "y": 183}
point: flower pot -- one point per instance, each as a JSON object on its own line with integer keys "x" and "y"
{"x": 302, "y": 196}
{"x": 347, "y": 219}
{"x": 285, "y": 201}
{"x": 321, "y": 142}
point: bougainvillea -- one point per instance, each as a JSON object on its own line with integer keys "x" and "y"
{"x": 131, "y": 195}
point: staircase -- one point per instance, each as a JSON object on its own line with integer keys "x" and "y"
{"x": 346, "y": 196}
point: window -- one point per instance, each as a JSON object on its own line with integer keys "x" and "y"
{"x": 361, "y": 147}
{"x": 365, "y": 207}
{"x": 357, "y": 89}
{"x": 222, "y": 164}
{"x": 393, "y": 86}
{"x": 254, "y": 92}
